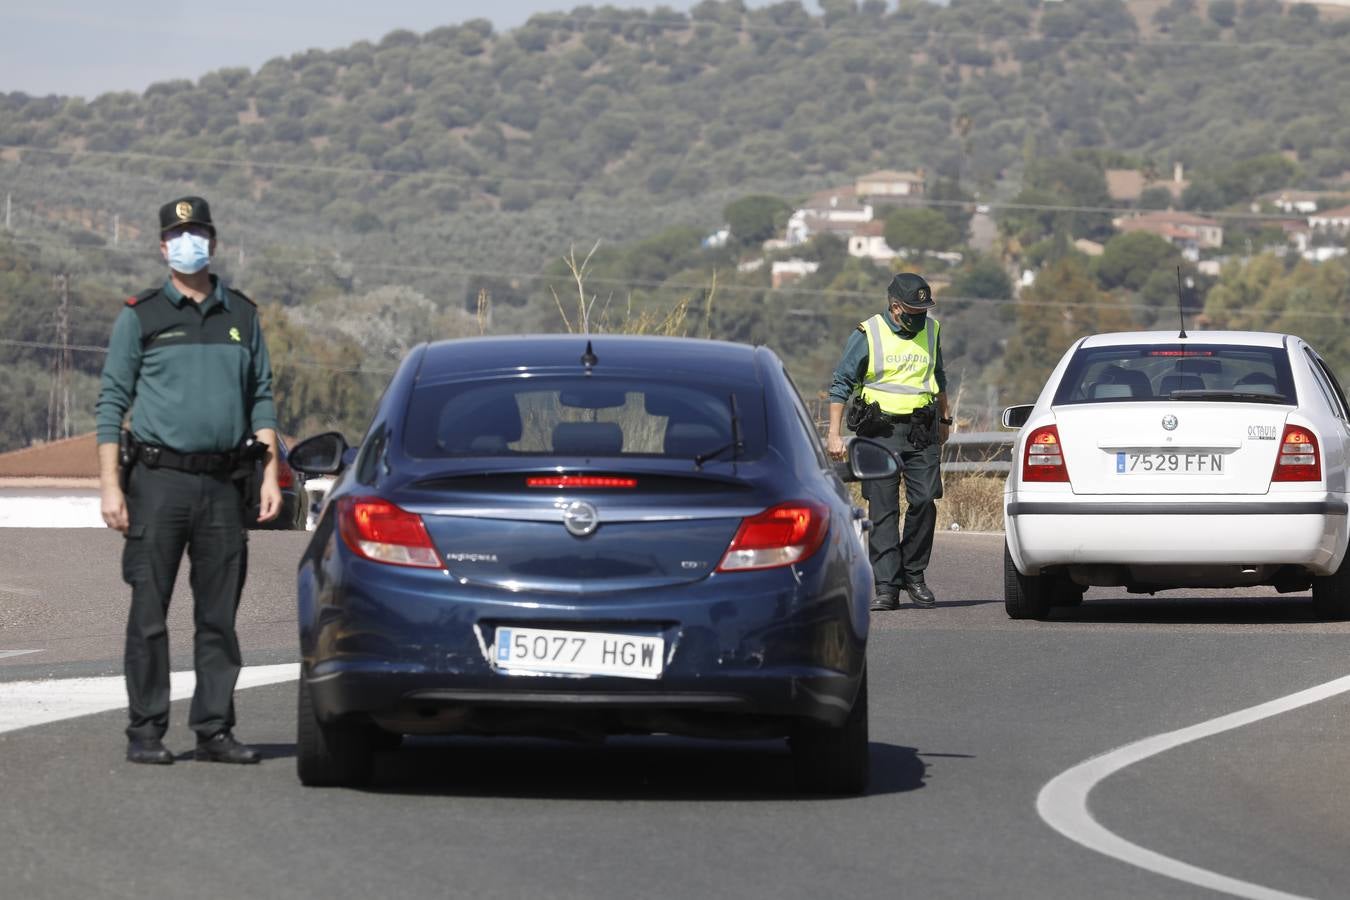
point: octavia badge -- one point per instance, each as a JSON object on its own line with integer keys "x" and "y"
{"x": 1169, "y": 422}
{"x": 580, "y": 518}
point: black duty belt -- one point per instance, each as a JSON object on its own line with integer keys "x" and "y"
{"x": 898, "y": 417}
{"x": 156, "y": 457}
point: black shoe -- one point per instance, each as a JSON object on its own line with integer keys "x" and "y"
{"x": 885, "y": 602}
{"x": 224, "y": 748}
{"x": 920, "y": 594}
{"x": 149, "y": 752}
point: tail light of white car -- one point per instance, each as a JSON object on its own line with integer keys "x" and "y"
{"x": 1299, "y": 459}
{"x": 1043, "y": 458}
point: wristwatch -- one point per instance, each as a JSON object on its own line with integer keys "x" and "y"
{"x": 946, "y": 421}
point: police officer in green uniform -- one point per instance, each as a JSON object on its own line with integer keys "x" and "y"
{"x": 188, "y": 360}
{"x": 894, "y": 360}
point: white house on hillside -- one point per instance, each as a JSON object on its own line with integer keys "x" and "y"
{"x": 869, "y": 242}
{"x": 1336, "y": 221}
{"x": 889, "y": 183}
{"x": 836, "y": 211}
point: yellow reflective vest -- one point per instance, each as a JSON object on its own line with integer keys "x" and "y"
{"x": 900, "y": 371}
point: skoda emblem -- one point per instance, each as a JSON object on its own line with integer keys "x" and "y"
{"x": 1169, "y": 422}
{"x": 580, "y": 518}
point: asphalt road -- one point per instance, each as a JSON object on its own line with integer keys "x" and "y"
{"x": 972, "y": 714}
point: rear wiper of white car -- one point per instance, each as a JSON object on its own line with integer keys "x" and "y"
{"x": 736, "y": 445}
{"x": 1214, "y": 394}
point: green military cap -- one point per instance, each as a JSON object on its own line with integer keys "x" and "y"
{"x": 911, "y": 291}
{"x": 185, "y": 211}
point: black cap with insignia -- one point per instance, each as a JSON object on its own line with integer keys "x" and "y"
{"x": 911, "y": 291}
{"x": 185, "y": 211}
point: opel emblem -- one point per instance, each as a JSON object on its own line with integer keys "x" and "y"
{"x": 1169, "y": 422}
{"x": 580, "y": 518}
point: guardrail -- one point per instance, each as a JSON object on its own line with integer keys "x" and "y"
{"x": 984, "y": 452}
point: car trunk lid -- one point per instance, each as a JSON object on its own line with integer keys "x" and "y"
{"x": 1193, "y": 447}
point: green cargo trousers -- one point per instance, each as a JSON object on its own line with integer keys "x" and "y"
{"x": 896, "y": 558}
{"x": 170, "y": 511}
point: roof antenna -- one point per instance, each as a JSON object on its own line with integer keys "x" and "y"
{"x": 1181, "y": 313}
{"x": 589, "y": 359}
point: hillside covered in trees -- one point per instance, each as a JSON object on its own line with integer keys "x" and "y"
{"x": 448, "y": 172}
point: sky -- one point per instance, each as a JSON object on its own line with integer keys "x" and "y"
{"x": 86, "y": 47}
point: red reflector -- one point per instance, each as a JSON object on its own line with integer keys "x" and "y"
{"x": 579, "y": 481}
{"x": 779, "y": 536}
{"x": 285, "y": 477}
{"x": 378, "y": 530}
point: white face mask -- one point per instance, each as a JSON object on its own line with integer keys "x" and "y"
{"x": 189, "y": 253}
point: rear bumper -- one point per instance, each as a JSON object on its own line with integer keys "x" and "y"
{"x": 1305, "y": 531}
{"x": 745, "y": 653}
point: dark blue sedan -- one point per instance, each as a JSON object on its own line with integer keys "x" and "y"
{"x": 581, "y": 537}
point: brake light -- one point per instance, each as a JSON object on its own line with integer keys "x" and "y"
{"x": 579, "y": 481}
{"x": 285, "y": 477}
{"x": 1299, "y": 459}
{"x": 779, "y": 536}
{"x": 1043, "y": 459}
{"x": 378, "y": 530}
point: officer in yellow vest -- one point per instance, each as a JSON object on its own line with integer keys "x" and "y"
{"x": 894, "y": 360}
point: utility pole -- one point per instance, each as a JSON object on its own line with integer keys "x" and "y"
{"x": 58, "y": 400}
{"x": 117, "y": 227}
{"x": 9, "y": 212}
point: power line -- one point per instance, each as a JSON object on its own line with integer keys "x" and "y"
{"x": 302, "y": 362}
{"x": 446, "y": 176}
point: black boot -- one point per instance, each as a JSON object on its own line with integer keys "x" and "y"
{"x": 225, "y": 749}
{"x": 920, "y": 594}
{"x": 885, "y": 601}
{"x": 149, "y": 752}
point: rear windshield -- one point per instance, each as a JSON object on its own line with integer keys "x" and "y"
{"x": 1190, "y": 372}
{"x": 583, "y": 417}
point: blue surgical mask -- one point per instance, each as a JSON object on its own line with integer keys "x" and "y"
{"x": 189, "y": 253}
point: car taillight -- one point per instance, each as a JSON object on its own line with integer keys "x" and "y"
{"x": 579, "y": 481}
{"x": 285, "y": 477}
{"x": 1298, "y": 459}
{"x": 1043, "y": 459}
{"x": 779, "y": 536}
{"x": 378, "y": 530}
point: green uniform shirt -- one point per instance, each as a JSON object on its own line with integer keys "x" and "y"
{"x": 196, "y": 376}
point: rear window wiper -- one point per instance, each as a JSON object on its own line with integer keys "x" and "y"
{"x": 1214, "y": 394}
{"x": 736, "y": 444}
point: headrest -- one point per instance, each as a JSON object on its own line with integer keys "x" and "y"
{"x": 587, "y": 439}
{"x": 481, "y": 429}
{"x": 689, "y": 439}
{"x": 1103, "y": 391}
{"x": 1170, "y": 383}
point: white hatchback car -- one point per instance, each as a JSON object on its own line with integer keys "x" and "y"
{"x": 1154, "y": 461}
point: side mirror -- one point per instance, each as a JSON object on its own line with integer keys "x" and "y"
{"x": 1016, "y": 416}
{"x": 867, "y": 459}
{"x": 323, "y": 454}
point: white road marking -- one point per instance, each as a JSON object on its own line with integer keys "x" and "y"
{"x": 5, "y": 654}
{"x": 24, "y": 704}
{"x": 1062, "y": 803}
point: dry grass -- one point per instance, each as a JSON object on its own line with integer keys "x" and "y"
{"x": 970, "y": 502}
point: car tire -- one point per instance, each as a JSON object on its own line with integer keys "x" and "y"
{"x": 1331, "y": 593}
{"x": 834, "y": 760}
{"x": 1025, "y": 596}
{"x": 330, "y": 754}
